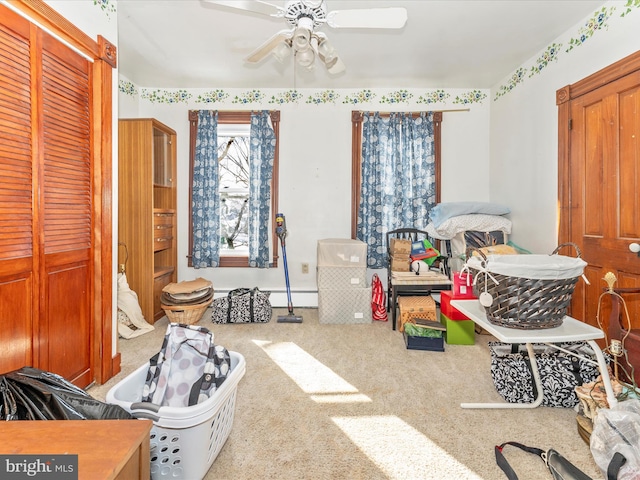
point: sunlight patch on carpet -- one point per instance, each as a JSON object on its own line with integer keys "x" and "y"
{"x": 313, "y": 377}
{"x": 341, "y": 398}
{"x": 401, "y": 451}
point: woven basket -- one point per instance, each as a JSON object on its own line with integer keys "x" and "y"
{"x": 186, "y": 314}
{"x": 525, "y": 303}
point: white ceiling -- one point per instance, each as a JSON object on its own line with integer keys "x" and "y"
{"x": 445, "y": 44}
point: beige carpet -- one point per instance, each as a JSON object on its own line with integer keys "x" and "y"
{"x": 351, "y": 402}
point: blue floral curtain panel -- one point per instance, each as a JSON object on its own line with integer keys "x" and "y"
{"x": 206, "y": 198}
{"x": 262, "y": 144}
{"x": 398, "y": 178}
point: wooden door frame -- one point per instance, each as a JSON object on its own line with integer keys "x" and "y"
{"x": 103, "y": 53}
{"x": 564, "y": 96}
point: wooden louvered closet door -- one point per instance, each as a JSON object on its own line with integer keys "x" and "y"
{"x": 46, "y": 251}
{"x": 65, "y": 206}
{"x": 17, "y": 293}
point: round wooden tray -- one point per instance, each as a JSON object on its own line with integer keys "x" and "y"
{"x": 585, "y": 428}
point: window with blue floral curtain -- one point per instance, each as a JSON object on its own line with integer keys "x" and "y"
{"x": 262, "y": 144}
{"x": 398, "y": 178}
{"x": 205, "y": 198}
{"x": 207, "y": 141}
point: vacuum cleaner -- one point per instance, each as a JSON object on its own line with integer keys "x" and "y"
{"x": 281, "y": 231}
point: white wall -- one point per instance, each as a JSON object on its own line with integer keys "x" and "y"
{"x": 315, "y": 170}
{"x": 524, "y": 124}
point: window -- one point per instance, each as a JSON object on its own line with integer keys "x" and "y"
{"x": 233, "y": 175}
{"x": 395, "y": 161}
{"x": 234, "y": 212}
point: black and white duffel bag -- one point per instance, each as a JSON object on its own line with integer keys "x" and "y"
{"x": 242, "y": 305}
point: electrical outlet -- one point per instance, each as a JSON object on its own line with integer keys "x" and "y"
{"x": 305, "y": 268}
{"x": 616, "y": 348}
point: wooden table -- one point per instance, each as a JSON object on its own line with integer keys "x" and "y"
{"x": 571, "y": 330}
{"x": 106, "y": 449}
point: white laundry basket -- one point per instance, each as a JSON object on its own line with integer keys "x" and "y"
{"x": 184, "y": 440}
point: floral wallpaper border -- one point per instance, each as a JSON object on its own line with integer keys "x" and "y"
{"x": 323, "y": 97}
{"x": 107, "y": 6}
{"x": 596, "y": 22}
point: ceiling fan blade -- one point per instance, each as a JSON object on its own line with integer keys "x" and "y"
{"x": 392, "y": 17}
{"x": 257, "y": 6}
{"x": 268, "y": 46}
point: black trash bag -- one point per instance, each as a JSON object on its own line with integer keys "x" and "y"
{"x": 33, "y": 394}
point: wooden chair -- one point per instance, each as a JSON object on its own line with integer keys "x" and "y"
{"x": 618, "y": 329}
{"x": 440, "y": 264}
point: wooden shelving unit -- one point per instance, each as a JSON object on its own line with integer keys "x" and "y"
{"x": 147, "y": 209}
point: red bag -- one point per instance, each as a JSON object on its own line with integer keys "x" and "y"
{"x": 378, "y": 299}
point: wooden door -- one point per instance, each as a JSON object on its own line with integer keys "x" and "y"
{"x": 18, "y": 294}
{"x": 47, "y": 211}
{"x": 599, "y": 181}
{"x": 65, "y": 189}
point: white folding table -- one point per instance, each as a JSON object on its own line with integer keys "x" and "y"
{"x": 571, "y": 330}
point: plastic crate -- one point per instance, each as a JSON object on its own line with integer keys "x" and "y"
{"x": 445, "y": 306}
{"x": 184, "y": 440}
{"x": 434, "y": 344}
{"x": 459, "y": 332}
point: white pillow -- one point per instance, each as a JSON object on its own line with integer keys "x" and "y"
{"x": 443, "y": 211}
{"x": 474, "y": 222}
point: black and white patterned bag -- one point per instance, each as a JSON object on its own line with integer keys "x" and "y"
{"x": 242, "y": 305}
{"x": 560, "y": 372}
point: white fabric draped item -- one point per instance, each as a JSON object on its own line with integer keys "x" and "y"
{"x": 134, "y": 324}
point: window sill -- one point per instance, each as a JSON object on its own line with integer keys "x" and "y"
{"x": 231, "y": 261}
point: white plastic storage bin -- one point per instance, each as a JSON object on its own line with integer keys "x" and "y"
{"x": 342, "y": 252}
{"x": 341, "y": 277}
{"x": 184, "y": 440}
{"x": 344, "y": 306}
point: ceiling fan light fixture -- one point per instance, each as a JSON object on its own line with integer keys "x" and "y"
{"x": 306, "y": 58}
{"x": 282, "y": 51}
{"x": 304, "y": 16}
{"x": 301, "y": 38}
{"x": 326, "y": 51}
{"x": 336, "y": 67}
{"x": 330, "y": 63}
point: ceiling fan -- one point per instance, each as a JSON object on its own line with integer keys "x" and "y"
{"x": 304, "y": 17}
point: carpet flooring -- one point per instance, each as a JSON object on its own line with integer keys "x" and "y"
{"x": 349, "y": 402}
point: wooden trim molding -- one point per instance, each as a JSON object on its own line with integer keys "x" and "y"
{"x": 563, "y": 95}
{"x": 608, "y": 74}
{"x": 356, "y": 160}
{"x": 437, "y": 132}
{"x": 275, "y": 184}
{"x": 107, "y": 52}
{"x": 51, "y": 20}
{"x": 103, "y": 215}
{"x": 564, "y": 112}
